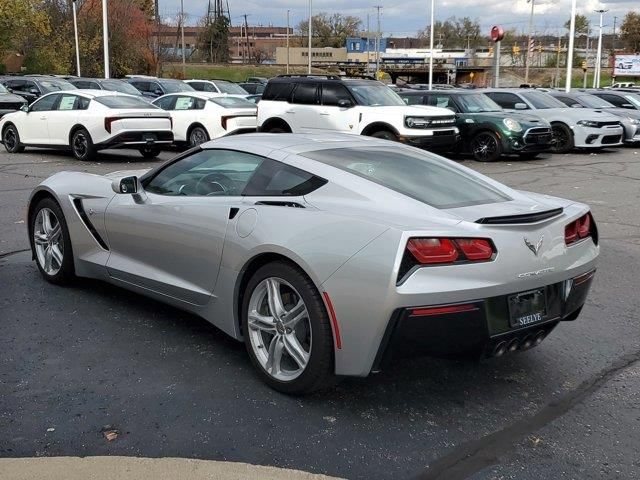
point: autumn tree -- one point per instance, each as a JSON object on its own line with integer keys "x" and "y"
{"x": 456, "y": 32}
{"x": 330, "y": 30}
{"x": 630, "y": 32}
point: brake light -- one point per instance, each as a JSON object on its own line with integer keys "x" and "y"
{"x": 579, "y": 229}
{"x": 107, "y": 123}
{"x": 443, "y": 310}
{"x": 429, "y": 251}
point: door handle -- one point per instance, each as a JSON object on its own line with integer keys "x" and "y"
{"x": 42, "y": 117}
{"x": 290, "y": 111}
{"x": 325, "y": 113}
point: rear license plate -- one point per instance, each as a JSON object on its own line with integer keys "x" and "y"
{"x": 149, "y": 137}
{"x": 527, "y": 308}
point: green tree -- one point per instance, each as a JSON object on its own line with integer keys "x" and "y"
{"x": 456, "y": 33}
{"x": 331, "y": 30}
{"x": 630, "y": 31}
{"x": 582, "y": 24}
{"x": 213, "y": 42}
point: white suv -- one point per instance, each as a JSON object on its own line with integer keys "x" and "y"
{"x": 311, "y": 103}
{"x": 218, "y": 86}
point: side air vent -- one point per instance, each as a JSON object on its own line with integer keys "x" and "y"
{"x": 280, "y": 204}
{"x": 517, "y": 219}
{"x": 77, "y": 202}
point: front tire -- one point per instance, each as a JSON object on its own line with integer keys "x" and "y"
{"x": 386, "y": 135}
{"x": 486, "y": 147}
{"x": 82, "y": 145}
{"x": 11, "y": 139}
{"x": 562, "y": 138}
{"x": 51, "y": 243}
{"x": 286, "y": 330}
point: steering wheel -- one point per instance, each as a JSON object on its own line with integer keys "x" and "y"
{"x": 213, "y": 184}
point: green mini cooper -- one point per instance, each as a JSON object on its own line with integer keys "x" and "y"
{"x": 487, "y": 131}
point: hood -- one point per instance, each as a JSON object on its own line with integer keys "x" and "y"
{"x": 11, "y": 98}
{"x": 523, "y": 118}
{"x": 575, "y": 114}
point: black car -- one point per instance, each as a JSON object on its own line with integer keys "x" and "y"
{"x": 487, "y": 131}
{"x": 9, "y": 102}
{"x": 156, "y": 87}
{"x": 620, "y": 99}
{"x": 111, "y": 84}
{"x": 253, "y": 87}
{"x": 33, "y": 87}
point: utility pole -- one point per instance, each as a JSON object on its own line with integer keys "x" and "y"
{"x": 246, "y": 36}
{"x": 105, "y": 39}
{"x": 586, "y": 70}
{"x": 288, "y": 41}
{"x": 158, "y": 36}
{"x": 557, "y": 82}
{"x": 368, "y": 45}
{"x": 75, "y": 31}
{"x": 184, "y": 63}
{"x": 378, "y": 7}
{"x": 613, "y": 40}
{"x": 431, "y": 33}
{"x": 596, "y": 79}
{"x": 572, "y": 34}
{"x": 310, "y": 31}
{"x": 528, "y": 57}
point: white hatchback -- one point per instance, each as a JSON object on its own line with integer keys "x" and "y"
{"x": 86, "y": 121}
{"x": 199, "y": 116}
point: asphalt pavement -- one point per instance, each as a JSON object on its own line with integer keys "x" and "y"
{"x": 81, "y": 361}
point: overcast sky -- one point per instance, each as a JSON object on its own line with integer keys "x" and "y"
{"x": 406, "y": 17}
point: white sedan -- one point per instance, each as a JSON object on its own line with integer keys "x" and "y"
{"x": 86, "y": 121}
{"x": 201, "y": 116}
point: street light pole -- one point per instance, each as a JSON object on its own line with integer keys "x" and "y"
{"x": 528, "y": 57}
{"x": 75, "y": 31}
{"x": 431, "y": 34}
{"x": 184, "y": 62}
{"x": 572, "y": 33}
{"x": 310, "y": 31}
{"x": 596, "y": 78}
{"x": 288, "y": 41}
{"x": 105, "y": 39}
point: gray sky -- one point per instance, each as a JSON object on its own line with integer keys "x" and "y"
{"x": 406, "y": 17}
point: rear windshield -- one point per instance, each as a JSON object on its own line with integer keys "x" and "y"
{"x": 123, "y": 101}
{"x": 415, "y": 174}
{"x": 228, "y": 87}
{"x": 176, "y": 86}
{"x": 232, "y": 102}
{"x": 120, "y": 86}
{"x": 56, "y": 85}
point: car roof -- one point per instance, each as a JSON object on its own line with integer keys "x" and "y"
{"x": 93, "y": 93}
{"x": 197, "y": 94}
{"x": 322, "y": 78}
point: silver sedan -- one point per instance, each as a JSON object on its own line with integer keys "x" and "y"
{"x": 328, "y": 255}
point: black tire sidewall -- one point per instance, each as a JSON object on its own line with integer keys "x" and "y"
{"x": 569, "y": 145}
{"x": 150, "y": 153}
{"x": 319, "y": 372}
{"x": 90, "y": 153}
{"x": 67, "y": 271}
{"x": 498, "y": 152}
{"x": 385, "y": 135}
{"x": 206, "y": 136}
{"x": 16, "y": 147}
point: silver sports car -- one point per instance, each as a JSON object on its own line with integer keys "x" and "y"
{"x": 326, "y": 254}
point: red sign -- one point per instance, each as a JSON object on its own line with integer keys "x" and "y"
{"x": 497, "y": 33}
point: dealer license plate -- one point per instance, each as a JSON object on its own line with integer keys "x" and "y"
{"x": 527, "y": 308}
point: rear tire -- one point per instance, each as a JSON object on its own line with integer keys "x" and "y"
{"x": 486, "y": 147}
{"x": 197, "y": 136}
{"x": 11, "y": 139}
{"x": 562, "y": 138}
{"x": 293, "y": 357}
{"x": 51, "y": 243}
{"x": 82, "y": 145}
{"x": 150, "y": 153}
{"x": 386, "y": 135}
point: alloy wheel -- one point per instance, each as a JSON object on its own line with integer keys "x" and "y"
{"x": 48, "y": 241}
{"x": 197, "y": 137}
{"x": 279, "y": 329}
{"x": 10, "y": 139}
{"x": 80, "y": 145}
{"x": 484, "y": 147}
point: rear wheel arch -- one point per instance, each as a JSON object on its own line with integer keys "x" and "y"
{"x": 275, "y": 122}
{"x": 196, "y": 125}
{"x": 74, "y": 129}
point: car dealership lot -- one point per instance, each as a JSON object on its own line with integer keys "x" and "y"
{"x": 78, "y": 359}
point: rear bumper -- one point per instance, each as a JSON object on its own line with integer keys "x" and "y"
{"x": 137, "y": 139}
{"x": 482, "y": 329}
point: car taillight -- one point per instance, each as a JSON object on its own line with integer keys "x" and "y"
{"x": 429, "y": 251}
{"x": 580, "y": 229}
{"x": 107, "y": 123}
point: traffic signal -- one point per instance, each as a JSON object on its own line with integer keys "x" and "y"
{"x": 584, "y": 65}
{"x": 490, "y": 50}
{"x": 516, "y": 50}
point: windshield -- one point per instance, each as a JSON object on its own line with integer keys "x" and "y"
{"x": 122, "y": 87}
{"x": 3, "y": 89}
{"x": 416, "y": 174}
{"x": 56, "y": 85}
{"x": 228, "y": 87}
{"x": 232, "y": 102}
{"x": 376, "y": 95}
{"x": 542, "y": 100}
{"x": 123, "y": 101}
{"x": 634, "y": 98}
{"x": 477, "y": 102}
{"x": 591, "y": 101}
{"x": 176, "y": 86}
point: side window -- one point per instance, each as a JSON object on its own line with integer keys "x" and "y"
{"x": 68, "y": 102}
{"x": 165, "y": 103}
{"x": 413, "y": 99}
{"x": 505, "y": 99}
{"x": 278, "y": 179}
{"x": 196, "y": 86}
{"x": 45, "y": 103}
{"x": 278, "y": 92}
{"x": 442, "y": 101}
{"x": 155, "y": 88}
{"x": 30, "y": 87}
{"x": 616, "y": 100}
{"x": 206, "y": 173}
{"x": 306, "y": 94}
{"x": 185, "y": 103}
{"x": 80, "y": 84}
{"x": 94, "y": 85}
{"x": 142, "y": 86}
{"x": 569, "y": 102}
{"x": 209, "y": 87}
{"x": 333, "y": 93}
{"x": 200, "y": 104}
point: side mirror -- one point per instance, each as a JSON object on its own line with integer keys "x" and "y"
{"x": 158, "y": 92}
{"x": 24, "y": 108}
{"x": 345, "y": 103}
{"x": 576, "y": 105}
{"x": 520, "y": 106}
{"x": 126, "y": 185}
{"x": 34, "y": 90}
